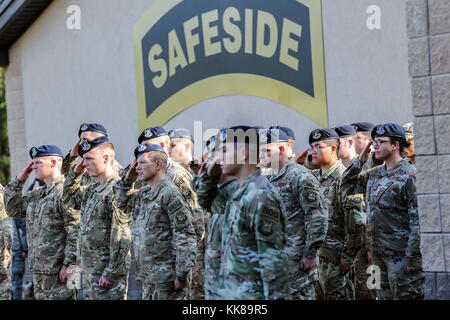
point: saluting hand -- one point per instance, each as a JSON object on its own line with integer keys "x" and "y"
{"x": 25, "y": 173}
{"x": 74, "y": 152}
{"x": 132, "y": 173}
{"x": 301, "y": 158}
{"x": 202, "y": 168}
{"x": 365, "y": 153}
{"x": 213, "y": 167}
{"x": 80, "y": 167}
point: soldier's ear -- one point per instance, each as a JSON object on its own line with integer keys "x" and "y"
{"x": 282, "y": 149}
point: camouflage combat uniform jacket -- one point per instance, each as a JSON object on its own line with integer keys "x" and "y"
{"x": 51, "y": 227}
{"x": 346, "y": 218}
{"x": 5, "y": 250}
{"x": 392, "y": 208}
{"x": 104, "y": 237}
{"x": 213, "y": 198}
{"x": 167, "y": 236}
{"x": 254, "y": 263}
{"x": 5, "y": 237}
{"x": 307, "y": 218}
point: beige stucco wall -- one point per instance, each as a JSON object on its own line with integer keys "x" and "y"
{"x": 71, "y": 76}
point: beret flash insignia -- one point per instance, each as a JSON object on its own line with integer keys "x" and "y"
{"x": 148, "y": 133}
{"x": 84, "y": 127}
{"x": 316, "y": 135}
{"x": 33, "y": 152}
{"x": 380, "y": 130}
{"x": 142, "y": 147}
{"x": 85, "y": 145}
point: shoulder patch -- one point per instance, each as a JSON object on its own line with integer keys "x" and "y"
{"x": 174, "y": 206}
{"x": 270, "y": 212}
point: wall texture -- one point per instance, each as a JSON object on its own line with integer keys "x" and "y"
{"x": 428, "y": 25}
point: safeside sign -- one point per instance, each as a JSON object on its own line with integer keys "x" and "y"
{"x": 187, "y": 51}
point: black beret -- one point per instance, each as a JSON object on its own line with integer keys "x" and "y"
{"x": 223, "y": 133}
{"x": 345, "y": 131}
{"x": 322, "y": 134}
{"x": 88, "y": 145}
{"x": 290, "y": 133}
{"x": 147, "y": 147}
{"x": 46, "y": 150}
{"x": 152, "y": 133}
{"x": 363, "y": 126}
{"x": 93, "y": 127}
{"x": 180, "y": 133}
{"x": 273, "y": 135}
{"x": 388, "y": 130}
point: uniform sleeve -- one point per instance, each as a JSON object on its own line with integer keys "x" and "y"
{"x": 269, "y": 226}
{"x": 15, "y": 201}
{"x": 68, "y": 162}
{"x": 353, "y": 207}
{"x": 120, "y": 242}
{"x": 5, "y": 241}
{"x": 308, "y": 164}
{"x": 183, "y": 234}
{"x": 125, "y": 196}
{"x": 312, "y": 201}
{"x": 71, "y": 223}
{"x": 354, "y": 180}
{"x": 183, "y": 182}
{"x": 206, "y": 189}
{"x": 413, "y": 247}
{"x": 73, "y": 191}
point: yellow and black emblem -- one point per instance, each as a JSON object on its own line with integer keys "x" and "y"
{"x": 85, "y": 145}
{"x": 316, "y": 135}
{"x": 380, "y": 130}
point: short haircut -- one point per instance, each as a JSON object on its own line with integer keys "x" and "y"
{"x": 109, "y": 147}
{"x": 333, "y": 142}
{"x": 158, "y": 155}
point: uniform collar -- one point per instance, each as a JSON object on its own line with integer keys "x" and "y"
{"x": 100, "y": 187}
{"x": 48, "y": 189}
{"x": 283, "y": 170}
{"x": 397, "y": 166}
{"x": 325, "y": 174}
{"x": 155, "y": 191}
{"x": 252, "y": 177}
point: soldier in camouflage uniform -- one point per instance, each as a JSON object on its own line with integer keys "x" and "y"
{"x": 104, "y": 238}
{"x": 307, "y": 215}
{"x": 5, "y": 251}
{"x": 346, "y": 219}
{"x": 181, "y": 148}
{"x": 409, "y": 134}
{"x": 212, "y": 198}
{"x": 87, "y": 131}
{"x": 51, "y": 228}
{"x": 254, "y": 263}
{"x": 347, "y": 153}
{"x": 393, "y": 214}
{"x": 168, "y": 240}
{"x": 182, "y": 179}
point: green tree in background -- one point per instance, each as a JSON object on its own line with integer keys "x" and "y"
{"x": 4, "y": 146}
